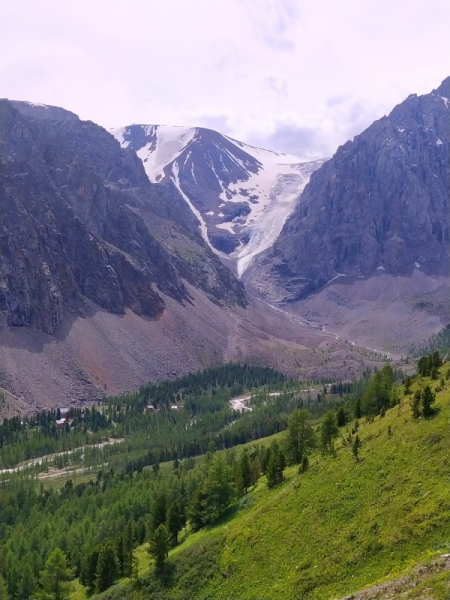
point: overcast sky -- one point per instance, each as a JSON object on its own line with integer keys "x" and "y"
{"x": 291, "y": 75}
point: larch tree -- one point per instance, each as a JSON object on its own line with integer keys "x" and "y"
{"x": 300, "y": 438}
{"x": 175, "y": 521}
{"x": 329, "y": 430}
{"x": 55, "y": 576}
{"x": 107, "y": 567}
{"x": 3, "y": 589}
{"x": 218, "y": 490}
{"x": 159, "y": 546}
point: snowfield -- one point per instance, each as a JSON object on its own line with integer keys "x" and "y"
{"x": 270, "y": 183}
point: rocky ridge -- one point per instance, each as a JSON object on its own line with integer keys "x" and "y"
{"x": 81, "y": 221}
{"x": 381, "y": 204}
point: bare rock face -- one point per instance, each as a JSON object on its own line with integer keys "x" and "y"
{"x": 80, "y": 220}
{"x": 381, "y": 203}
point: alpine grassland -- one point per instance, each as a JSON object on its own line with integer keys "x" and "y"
{"x": 344, "y": 524}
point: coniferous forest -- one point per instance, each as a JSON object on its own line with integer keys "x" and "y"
{"x": 175, "y": 471}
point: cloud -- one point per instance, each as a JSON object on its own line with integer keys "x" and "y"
{"x": 277, "y": 86}
{"x": 336, "y": 100}
{"x": 344, "y": 118}
{"x": 273, "y": 20}
{"x": 218, "y": 123}
{"x": 292, "y": 139}
{"x": 350, "y": 117}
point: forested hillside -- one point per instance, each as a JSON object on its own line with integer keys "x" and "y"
{"x": 335, "y": 503}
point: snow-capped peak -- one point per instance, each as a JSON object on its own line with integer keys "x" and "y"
{"x": 164, "y": 144}
{"x": 240, "y": 194}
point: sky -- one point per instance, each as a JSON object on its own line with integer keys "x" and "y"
{"x": 294, "y": 76}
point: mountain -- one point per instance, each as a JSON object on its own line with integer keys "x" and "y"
{"x": 85, "y": 206}
{"x": 82, "y": 231}
{"x": 382, "y": 202}
{"x": 106, "y": 280}
{"x": 369, "y": 239}
{"x": 241, "y": 195}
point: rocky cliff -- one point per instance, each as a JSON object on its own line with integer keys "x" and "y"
{"x": 81, "y": 221}
{"x": 380, "y": 204}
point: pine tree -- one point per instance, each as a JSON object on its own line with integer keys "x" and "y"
{"x": 265, "y": 458}
{"x": 158, "y": 511}
{"x": 89, "y": 569}
{"x": 407, "y": 382}
{"x": 134, "y": 569}
{"x": 437, "y": 359}
{"x": 159, "y": 547}
{"x": 271, "y": 472}
{"x": 358, "y": 409}
{"x": 341, "y": 417}
{"x": 195, "y": 509}
{"x": 245, "y": 475}
{"x": 127, "y": 549}
{"x": 276, "y": 466}
{"x": 281, "y": 464}
{"x": 119, "y": 551}
{"x": 305, "y": 464}
{"x": 428, "y": 399}
{"x": 55, "y": 575}
{"x": 107, "y": 567}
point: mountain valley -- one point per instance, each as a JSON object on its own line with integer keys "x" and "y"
{"x": 224, "y": 300}
{"x": 159, "y": 250}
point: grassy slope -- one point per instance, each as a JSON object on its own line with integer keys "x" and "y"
{"x": 344, "y": 525}
{"x": 339, "y": 527}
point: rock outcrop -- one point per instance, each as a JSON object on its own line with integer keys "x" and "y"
{"x": 81, "y": 221}
{"x": 381, "y": 203}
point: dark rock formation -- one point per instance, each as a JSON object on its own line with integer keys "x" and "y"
{"x": 80, "y": 219}
{"x": 381, "y": 202}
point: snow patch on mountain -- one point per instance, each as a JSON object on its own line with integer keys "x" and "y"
{"x": 279, "y": 189}
{"x": 240, "y": 194}
{"x": 202, "y": 224}
{"x": 164, "y": 149}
